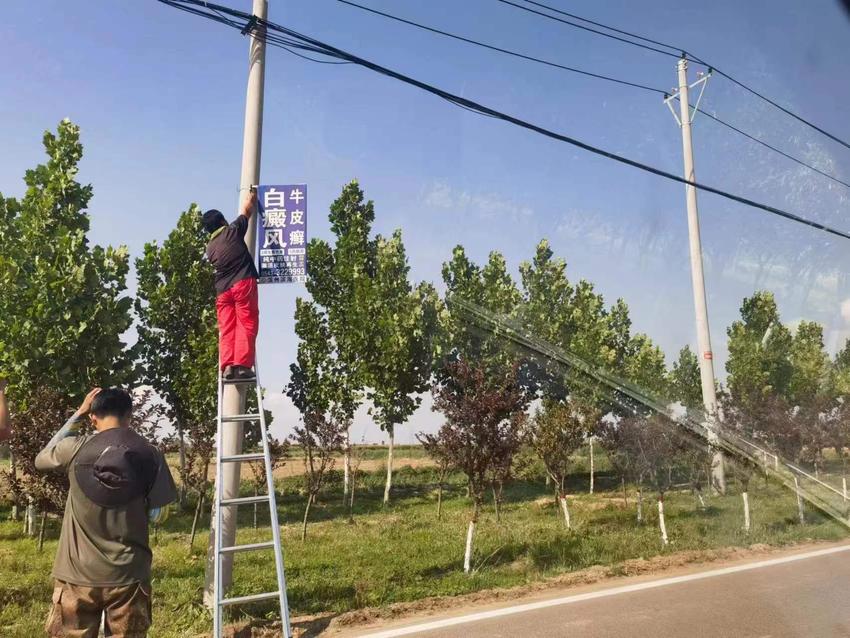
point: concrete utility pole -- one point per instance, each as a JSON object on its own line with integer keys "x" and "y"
{"x": 705, "y": 356}
{"x": 233, "y": 398}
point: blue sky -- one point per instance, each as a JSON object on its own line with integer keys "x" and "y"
{"x": 159, "y": 95}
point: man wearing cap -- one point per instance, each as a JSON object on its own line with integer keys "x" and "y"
{"x": 236, "y": 289}
{"x": 118, "y": 481}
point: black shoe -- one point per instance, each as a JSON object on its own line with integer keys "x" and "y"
{"x": 228, "y": 372}
{"x": 242, "y": 373}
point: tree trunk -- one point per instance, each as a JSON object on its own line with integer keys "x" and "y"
{"x": 591, "y": 465}
{"x": 346, "y": 475}
{"x": 470, "y": 532}
{"x": 181, "y": 501}
{"x": 700, "y": 498}
{"x": 31, "y": 516}
{"x": 306, "y": 514}
{"x": 12, "y": 474}
{"x": 640, "y": 505}
{"x": 196, "y": 518}
{"x": 41, "y": 526}
{"x": 746, "y": 498}
{"x": 801, "y": 513}
{"x": 389, "y": 467}
{"x": 496, "y": 504}
{"x": 440, "y": 499}
{"x": 351, "y": 501}
{"x": 661, "y": 522}
{"x": 562, "y": 498}
{"x": 256, "y": 493}
{"x": 625, "y": 495}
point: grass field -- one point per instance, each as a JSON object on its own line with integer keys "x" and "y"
{"x": 403, "y": 553}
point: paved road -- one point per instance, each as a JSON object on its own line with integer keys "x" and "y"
{"x": 808, "y": 597}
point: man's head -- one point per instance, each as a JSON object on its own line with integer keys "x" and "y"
{"x": 213, "y": 220}
{"x": 111, "y": 407}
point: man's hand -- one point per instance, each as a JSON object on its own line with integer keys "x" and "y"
{"x": 250, "y": 203}
{"x": 85, "y": 406}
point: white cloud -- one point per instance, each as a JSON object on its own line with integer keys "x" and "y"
{"x": 483, "y": 205}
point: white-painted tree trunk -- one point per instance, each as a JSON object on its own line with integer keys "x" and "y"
{"x": 566, "y": 511}
{"x": 389, "y": 468}
{"x": 640, "y": 505}
{"x": 30, "y": 520}
{"x": 591, "y": 465}
{"x": 661, "y": 522}
{"x": 746, "y": 498}
{"x": 801, "y": 513}
{"x": 346, "y": 475}
{"x": 467, "y": 556}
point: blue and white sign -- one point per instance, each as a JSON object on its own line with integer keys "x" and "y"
{"x": 282, "y": 236}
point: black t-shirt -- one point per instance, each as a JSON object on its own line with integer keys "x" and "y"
{"x": 230, "y": 257}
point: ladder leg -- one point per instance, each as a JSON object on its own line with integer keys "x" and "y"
{"x": 278, "y": 547}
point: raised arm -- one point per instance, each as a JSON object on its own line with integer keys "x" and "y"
{"x": 55, "y": 454}
{"x": 249, "y": 204}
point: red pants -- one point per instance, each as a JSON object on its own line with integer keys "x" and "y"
{"x": 238, "y": 322}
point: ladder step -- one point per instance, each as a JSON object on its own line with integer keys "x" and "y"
{"x": 236, "y": 458}
{"x": 245, "y": 500}
{"x": 249, "y": 599}
{"x": 241, "y": 417}
{"x": 247, "y": 547}
{"x": 246, "y": 381}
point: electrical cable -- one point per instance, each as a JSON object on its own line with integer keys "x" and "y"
{"x": 505, "y": 51}
{"x": 587, "y": 73}
{"x": 684, "y": 53}
{"x": 308, "y": 43}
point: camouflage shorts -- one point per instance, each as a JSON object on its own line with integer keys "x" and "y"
{"x": 77, "y": 610}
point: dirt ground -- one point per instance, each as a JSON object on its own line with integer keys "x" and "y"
{"x": 295, "y": 467}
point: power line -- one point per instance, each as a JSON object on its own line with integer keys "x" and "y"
{"x": 692, "y": 57}
{"x": 605, "y": 26}
{"x": 586, "y": 73}
{"x": 597, "y": 32}
{"x": 300, "y": 41}
{"x": 505, "y": 51}
{"x": 774, "y": 149}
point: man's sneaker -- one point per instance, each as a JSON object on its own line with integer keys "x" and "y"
{"x": 228, "y": 373}
{"x": 242, "y": 373}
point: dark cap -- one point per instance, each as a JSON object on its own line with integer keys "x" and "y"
{"x": 116, "y": 467}
{"x": 213, "y": 220}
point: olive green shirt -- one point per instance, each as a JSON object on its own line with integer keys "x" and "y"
{"x": 100, "y": 546}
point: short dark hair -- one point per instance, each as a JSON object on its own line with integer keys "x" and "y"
{"x": 112, "y": 402}
{"x": 212, "y": 220}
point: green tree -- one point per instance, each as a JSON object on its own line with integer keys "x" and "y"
{"x": 317, "y": 387}
{"x": 758, "y": 364}
{"x": 63, "y": 309}
{"x": 684, "y": 381}
{"x": 175, "y": 293}
{"x": 399, "y": 361}
{"x": 340, "y": 282}
{"x": 809, "y": 365}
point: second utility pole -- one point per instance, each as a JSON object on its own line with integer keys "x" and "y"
{"x": 233, "y": 398}
{"x": 705, "y": 356}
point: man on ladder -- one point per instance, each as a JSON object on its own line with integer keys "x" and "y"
{"x": 236, "y": 289}
{"x": 238, "y": 322}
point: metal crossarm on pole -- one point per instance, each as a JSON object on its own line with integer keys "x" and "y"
{"x": 220, "y": 551}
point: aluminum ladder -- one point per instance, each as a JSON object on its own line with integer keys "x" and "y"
{"x": 275, "y": 545}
